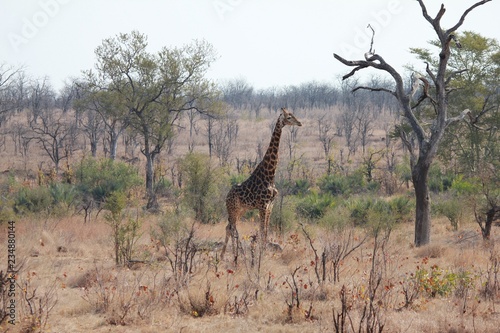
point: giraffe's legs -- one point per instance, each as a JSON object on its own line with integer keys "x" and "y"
{"x": 235, "y": 242}
{"x": 231, "y": 232}
{"x": 228, "y": 234}
{"x": 264, "y": 215}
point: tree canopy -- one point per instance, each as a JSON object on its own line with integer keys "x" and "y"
{"x": 148, "y": 91}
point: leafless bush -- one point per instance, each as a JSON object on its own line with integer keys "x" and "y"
{"x": 180, "y": 248}
{"x": 491, "y": 289}
{"x": 239, "y": 305}
{"x": 341, "y": 319}
{"x": 410, "y": 289}
{"x": 343, "y": 244}
{"x": 197, "y": 302}
{"x": 370, "y": 298}
{"x": 36, "y": 303}
{"x": 127, "y": 296}
{"x": 99, "y": 289}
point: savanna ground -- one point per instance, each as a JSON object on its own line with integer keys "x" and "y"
{"x": 69, "y": 281}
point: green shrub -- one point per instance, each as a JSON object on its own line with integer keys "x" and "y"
{"x": 97, "y": 179}
{"x": 283, "y": 214}
{"x": 402, "y": 208}
{"x": 337, "y": 184}
{"x": 237, "y": 179}
{"x": 301, "y": 187}
{"x": 125, "y": 230}
{"x": 6, "y": 209}
{"x": 373, "y": 212}
{"x": 164, "y": 188}
{"x": 373, "y": 186}
{"x": 336, "y": 218}
{"x": 465, "y": 186}
{"x": 36, "y": 200}
{"x": 298, "y": 187}
{"x": 334, "y": 184}
{"x": 313, "y": 206}
{"x": 359, "y": 208}
{"x": 452, "y": 208}
{"x": 64, "y": 196}
{"x": 439, "y": 181}
{"x": 205, "y": 188}
{"x": 403, "y": 171}
{"x": 439, "y": 282}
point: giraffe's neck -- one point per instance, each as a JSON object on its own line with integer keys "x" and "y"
{"x": 267, "y": 168}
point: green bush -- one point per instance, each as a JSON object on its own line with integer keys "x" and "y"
{"x": 125, "y": 230}
{"x": 205, "y": 188}
{"x": 336, "y": 218}
{"x": 36, "y": 200}
{"x": 164, "y": 188}
{"x": 64, "y": 196}
{"x": 402, "y": 208}
{"x": 283, "y": 214}
{"x": 403, "y": 171}
{"x": 465, "y": 186}
{"x": 337, "y": 184}
{"x": 6, "y": 209}
{"x": 369, "y": 211}
{"x": 452, "y": 208}
{"x": 97, "y": 179}
{"x": 313, "y": 206}
{"x": 440, "y": 181}
{"x": 359, "y": 208}
{"x": 298, "y": 187}
{"x": 237, "y": 179}
{"x": 439, "y": 282}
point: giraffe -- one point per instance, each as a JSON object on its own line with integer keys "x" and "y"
{"x": 258, "y": 191}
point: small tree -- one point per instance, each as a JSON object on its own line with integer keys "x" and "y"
{"x": 125, "y": 230}
{"x": 204, "y": 190}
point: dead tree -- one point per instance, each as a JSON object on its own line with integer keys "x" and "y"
{"x": 424, "y": 141}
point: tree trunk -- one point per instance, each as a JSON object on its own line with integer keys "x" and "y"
{"x": 420, "y": 177}
{"x": 93, "y": 148}
{"x": 152, "y": 202}
{"x": 491, "y": 216}
{"x": 113, "y": 145}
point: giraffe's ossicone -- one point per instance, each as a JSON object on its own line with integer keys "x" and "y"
{"x": 258, "y": 191}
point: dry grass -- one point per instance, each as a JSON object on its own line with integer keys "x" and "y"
{"x": 94, "y": 295}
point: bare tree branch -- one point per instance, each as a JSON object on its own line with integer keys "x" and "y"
{"x": 372, "y": 51}
{"x": 425, "y": 94}
{"x": 430, "y": 73}
{"x": 374, "y": 89}
{"x": 457, "y": 118}
{"x": 462, "y": 18}
{"x": 414, "y": 87}
{"x": 399, "y": 91}
{"x": 455, "y": 73}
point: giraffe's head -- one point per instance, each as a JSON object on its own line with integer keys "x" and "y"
{"x": 288, "y": 118}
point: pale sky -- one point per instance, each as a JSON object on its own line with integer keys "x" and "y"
{"x": 266, "y": 42}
